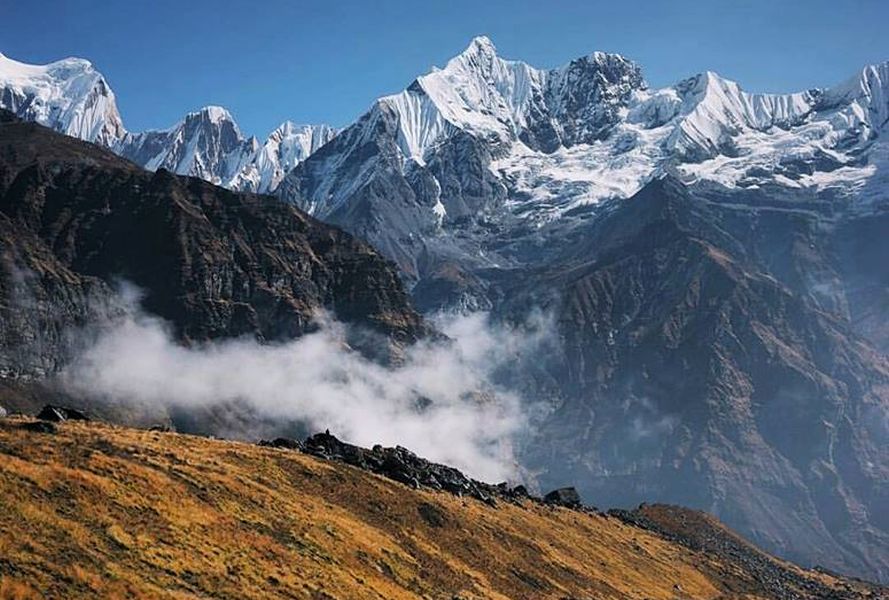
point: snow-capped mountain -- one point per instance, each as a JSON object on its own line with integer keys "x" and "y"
{"x": 208, "y": 144}
{"x": 552, "y": 141}
{"x": 73, "y": 98}
{"x": 205, "y": 144}
{"x": 286, "y": 147}
{"x": 69, "y": 96}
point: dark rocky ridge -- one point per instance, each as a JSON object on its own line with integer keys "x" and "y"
{"x": 403, "y": 466}
{"x": 75, "y": 219}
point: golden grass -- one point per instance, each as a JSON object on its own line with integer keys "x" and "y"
{"x": 103, "y": 511}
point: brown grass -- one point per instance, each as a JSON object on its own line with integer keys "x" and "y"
{"x": 103, "y": 511}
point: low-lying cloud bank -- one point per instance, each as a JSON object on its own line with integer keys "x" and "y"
{"x": 440, "y": 402}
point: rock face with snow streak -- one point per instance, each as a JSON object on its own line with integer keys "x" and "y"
{"x": 73, "y": 98}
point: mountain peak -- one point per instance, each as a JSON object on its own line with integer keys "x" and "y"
{"x": 288, "y": 128}
{"x": 215, "y": 114}
{"x": 480, "y": 44}
{"x": 68, "y": 95}
{"x": 702, "y": 82}
{"x": 865, "y": 83}
{"x": 480, "y": 56}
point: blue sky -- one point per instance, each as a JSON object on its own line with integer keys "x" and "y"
{"x": 326, "y": 61}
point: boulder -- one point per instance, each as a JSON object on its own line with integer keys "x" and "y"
{"x": 57, "y": 414}
{"x": 3, "y": 412}
{"x": 566, "y": 496}
{"x": 518, "y": 492}
{"x": 402, "y": 465}
{"x": 282, "y": 442}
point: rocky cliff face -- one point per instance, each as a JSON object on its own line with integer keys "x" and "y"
{"x": 75, "y": 219}
{"x": 690, "y": 372}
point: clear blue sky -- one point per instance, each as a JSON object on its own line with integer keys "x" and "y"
{"x": 326, "y": 61}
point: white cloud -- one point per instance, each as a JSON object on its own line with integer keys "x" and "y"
{"x": 439, "y": 402}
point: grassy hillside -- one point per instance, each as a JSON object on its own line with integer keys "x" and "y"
{"x": 102, "y": 511}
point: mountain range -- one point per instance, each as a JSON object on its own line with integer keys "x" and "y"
{"x": 712, "y": 261}
{"x": 73, "y": 98}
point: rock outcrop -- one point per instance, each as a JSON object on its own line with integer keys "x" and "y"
{"x": 403, "y": 466}
{"x": 567, "y": 497}
{"x": 58, "y": 414}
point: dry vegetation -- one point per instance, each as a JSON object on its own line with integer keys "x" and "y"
{"x": 103, "y": 511}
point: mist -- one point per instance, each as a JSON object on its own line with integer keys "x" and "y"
{"x": 439, "y": 401}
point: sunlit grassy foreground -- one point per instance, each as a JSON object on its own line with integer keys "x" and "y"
{"x": 103, "y": 511}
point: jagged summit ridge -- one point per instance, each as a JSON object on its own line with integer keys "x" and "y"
{"x": 557, "y": 140}
{"x": 507, "y": 100}
{"x": 584, "y": 132}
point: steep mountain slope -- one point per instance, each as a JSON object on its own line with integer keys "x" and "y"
{"x": 76, "y": 218}
{"x": 690, "y": 375}
{"x": 707, "y": 254}
{"x": 71, "y": 97}
{"x": 198, "y": 517}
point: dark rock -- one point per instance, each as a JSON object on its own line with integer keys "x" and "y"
{"x": 40, "y": 427}
{"x": 403, "y": 466}
{"x": 282, "y": 442}
{"x": 516, "y": 493}
{"x": 8, "y": 117}
{"x": 567, "y": 497}
{"x": 161, "y": 428}
{"x": 58, "y": 414}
